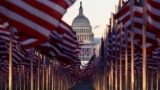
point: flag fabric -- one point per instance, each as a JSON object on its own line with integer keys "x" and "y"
{"x": 153, "y": 17}
{"x": 124, "y": 16}
{"x": 3, "y": 48}
{"x": 37, "y": 21}
{"x": 6, "y": 34}
{"x": 35, "y": 18}
{"x": 64, "y": 43}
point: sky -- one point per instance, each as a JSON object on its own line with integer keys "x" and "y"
{"x": 97, "y": 11}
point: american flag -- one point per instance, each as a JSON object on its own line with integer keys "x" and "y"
{"x": 124, "y": 16}
{"x": 35, "y": 18}
{"x": 153, "y": 17}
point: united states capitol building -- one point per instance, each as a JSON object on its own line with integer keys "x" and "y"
{"x": 81, "y": 25}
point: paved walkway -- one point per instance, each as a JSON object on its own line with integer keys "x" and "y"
{"x": 83, "y": 86}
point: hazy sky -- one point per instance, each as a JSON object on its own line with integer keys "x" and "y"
{"x": 97, "y": 11}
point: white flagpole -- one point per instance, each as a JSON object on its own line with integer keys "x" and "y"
{"x": 144, "y": 77}
{"x": 10, "y": 60}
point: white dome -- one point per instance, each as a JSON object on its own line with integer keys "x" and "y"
{"x": 80, "y": 20}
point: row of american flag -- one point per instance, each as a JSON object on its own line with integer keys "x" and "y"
{"x": 32, "y": 37}
{"x": 131, "y": 47}
{"x": 38, "y": 24}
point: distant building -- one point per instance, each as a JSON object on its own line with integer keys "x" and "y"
{"x": 81, "y": 25}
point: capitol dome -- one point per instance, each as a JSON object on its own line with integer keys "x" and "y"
{"x": 81, "y": 20}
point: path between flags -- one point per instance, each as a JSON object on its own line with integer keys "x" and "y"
{"x": 82, "y": 86}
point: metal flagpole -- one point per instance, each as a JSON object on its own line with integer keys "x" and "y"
{"x": 32, "y": 79}
{"x": 144, "y": 85}
{"x": 116, "y": 82}
{"x": 38, "y": 72}
{"x": 47, "y": 70}
{"x": 55, "y": 78}
{"x": 132, "y": 44}
{"x": 157, "y": 78}
{"x": 116, "y": 65}
{"x": 157, "y": 82}
{"x": 120, "y": 58}
{"x": 109, "y": 80}
{"x": 20, "y": 78}
{"x": 10, "y": 60}
{"x": 52, "y": 76}
{"x": 104, "y": 79}
{"x": 23, "y": 77}
{"x": 43, "y": 58}
{"x": 5, "y": 87}
{"x": 126, "y": 60}
{"x": 49, "y": 67}
{"x": 27, "y": 81}
{"x": 1, "y": 75}
{"x": 59, "y": 82}
{"x": 112, "y": 75}
{"x": 16, "y": 79}
{"x": 152, "y": 76}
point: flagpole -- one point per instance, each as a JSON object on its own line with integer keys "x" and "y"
{"x": 23, "y": 77}
{"x": 112, "y": 75}
{"x": 116, "y": 80}
{"x": 5, "y": 82}
{"x": 27, "y": 81}
{"x": 157, "y": 78}
{"x": 126, "y": 60}
{"x": 157, "y": 87}
{"x": 38, "y": 73}
{"x": 10, "y": 59}
{"x": 47, "y": 70}
{"x": 132, "y": 45}
{"x": 144, "y": 85}
{"x": 104, "y": 81}
{"x": 116, "y": 67}
{"x": 120, "y": 57}
{"x": 52, "y": 75}
{"x": 20, "y": 85}
{"x": 49, "y": 67}
{"x": 32, "y": 79}
{"x": 109, "y": 80}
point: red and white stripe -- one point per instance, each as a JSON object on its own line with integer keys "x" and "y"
{"x": 6, "y": 34}
{"x": 153, "y": 16}
{"x": 124, "y": 16}
{"x": 36, "y": 18}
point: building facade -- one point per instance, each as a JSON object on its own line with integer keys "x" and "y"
{"x": 81, "y": 25}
